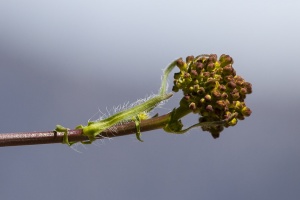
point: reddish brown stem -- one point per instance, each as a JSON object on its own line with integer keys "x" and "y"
{"x": 50, "y": 137}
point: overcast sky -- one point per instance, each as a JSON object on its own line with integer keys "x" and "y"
{"x": 62, "y": 61}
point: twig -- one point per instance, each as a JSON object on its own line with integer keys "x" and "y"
{"x": 51, "y": 137}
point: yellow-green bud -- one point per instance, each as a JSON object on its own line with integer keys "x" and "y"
{"x": 246, "y": 111}
{"x": 207, "y": 98}
{"x": 232, "y": 122}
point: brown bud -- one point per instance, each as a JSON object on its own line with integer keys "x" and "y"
{"x": 186, "y": 75}
{"x": 233, "y": 72}
{"x": 231, "y": 85}
{"x": 199, "y": 66}
{"x": 206, "y": 74}
{"x": 209, "y": 108}
{"x": 216, "y": 94}
{"x": 225, "y": 60}
{"x": 238, "y": 78}
{"x": 180, "y": 63}
{"x": 192, "y": 106}
{"x": 228, "y": 69}
{"x": 243, "y": 91}
{"x": 210, "y": 66}
{"x": 228, "y": 78}
{"x": 222, "y": 88}
{"x": 248, "y": 86}
{"x": 239, "y": 83}
{"x": 224, "y": 95}
{"x": 201, "y": 90}
{"x": 194, "y": 73}
{"x": 189, "y": 59}
{"x": 212, "y": 58}
{"x": 187, "y": 97}
{"x": 221, "y": 104}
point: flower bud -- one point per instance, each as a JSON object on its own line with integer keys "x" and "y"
{"x": 228, "y": 69}
{"x": 189, "y": 59}
{"x": 237, "y": 105}
{"x": 201, "y": 90}
{"x": 209, "y": 108}
{"x": 224, "y": 95}
{"x": 221, "y": 104}
{"x": 232, "y": 122}
{"x": 186, "y": 75}
{"x": 225, "y": 60}
{"x": 207, "y": 98}
{"x": 233, "y": 72}
{"x": 231, "y": 85}
{"x": 239, "y": 83}
{"x": 235, "y": 95}
{"x": 192, "y": 106}
{"x": 187, "y": 97}
{"x": 222, "y": 88}
{"x": 216, "y": 94}
{"x": 228, "y": 78}
{"x": 180, "y": 64}
{"x": 210, "y": 83}
{"x": 243, "y": 91}
{"x": 199, "y": 67}
{"x": 196, "y": 87}
{"x": 239, "y": 78}
{"x": 194, "y": 73}
{"x": 248, "y": 86}
{"x": 206, "y": 74}
{"x": 246, "y": 111}
{"x": 210, "y": 67}
{"x": 212, "y": 58}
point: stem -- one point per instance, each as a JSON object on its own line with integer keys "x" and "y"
{"x": 51, "y": 137}
{"x": 180, "y": 112}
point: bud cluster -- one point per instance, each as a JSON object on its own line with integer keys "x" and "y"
{"x": 212, "y": 89}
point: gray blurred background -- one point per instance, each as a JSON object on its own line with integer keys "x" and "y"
{"x": 61, "y": 61}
